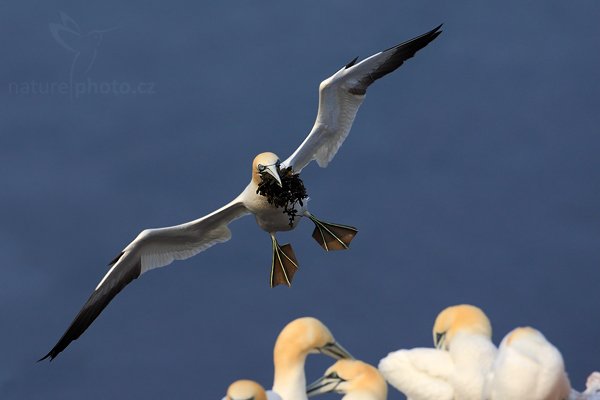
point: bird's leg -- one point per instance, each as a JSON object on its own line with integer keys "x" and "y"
{"x": 332, "y": 236}
{"x": 284, "y": 264}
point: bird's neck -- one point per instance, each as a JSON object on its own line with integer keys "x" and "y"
{"x": 472, "y": 355}
{"x": 289, "y": 380}
{"x": 256, "y": 178}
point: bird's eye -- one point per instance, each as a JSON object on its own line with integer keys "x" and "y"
{"x": 333, "y": 375}
{"x": 261, "y": 168}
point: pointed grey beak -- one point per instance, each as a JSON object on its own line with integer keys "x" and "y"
{"x": 272, "y": 170}
{"x": 322, "y": 385}
{"x": 335, "y": 350}
{"x": 439, "y": 340}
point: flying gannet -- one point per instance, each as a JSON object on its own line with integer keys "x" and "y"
{"x": 527, "y": 367}
{"x": 456, "y": 369}
{"x": 248, "y": 390}
{"x": 339, "y": 99}
{"x": 354, "y": 379}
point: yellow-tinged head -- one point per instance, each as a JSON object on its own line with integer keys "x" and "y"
{"x": 460, "y": 318}
{"x": 303, "y": 336}
{"x": 524, "y": 332}
{"x": 351, "y": 377}
{"x": 548, "y": 380}
{"x": 265, "y": 163}
{"x": 246, "y": 390}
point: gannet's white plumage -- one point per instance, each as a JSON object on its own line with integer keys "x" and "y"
{"x": 296, "y": 341}
{"x": 354, "y": 379}
{"x": 339, "y": 99}
{"x": 527, "y": 367}
{"x": 249, "y": 390}
{"x": 456, "y": 369}
{"x": 592, "y": 385}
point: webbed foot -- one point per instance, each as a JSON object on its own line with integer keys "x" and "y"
{"x": 284, "y": 264}
{"x": 332, "y": 236}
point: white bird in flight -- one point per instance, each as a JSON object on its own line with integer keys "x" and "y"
{"x": 528, "y": 367}
{"x": 339, "y": 99}
{"x": 456, "y": 368}
{"x": 354, "y": 379}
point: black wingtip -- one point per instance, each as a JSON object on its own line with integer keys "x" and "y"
{"x": 428, "y": 36}
{"x": 351, "y": 63}
{"x": 96, "y": 303}
{"x": 49, "y": 356}
{"x": 435, "y": 30}
{"x": 395, "y": 57}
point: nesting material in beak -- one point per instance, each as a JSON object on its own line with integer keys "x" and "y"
{"x": 283, "y": 189}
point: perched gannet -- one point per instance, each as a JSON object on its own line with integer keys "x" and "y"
{"x": 527, "y": 367}
{"x": 592, "y": 386}
{"x": 339, "y": 99}
{"x": 355, "y": 379}
{"x": 456, "y": 369}
{"x": 296, "y": 341}
{"x": 592, "y": 389}
{"x": 248, "y": 390}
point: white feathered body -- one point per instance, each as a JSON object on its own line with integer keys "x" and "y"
{"x": 432, "y": 374}
{"x": 531, "y": 369}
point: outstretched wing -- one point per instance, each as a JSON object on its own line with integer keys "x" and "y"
{"x": 341, "y": 95}
{"x": 153, "y": 248}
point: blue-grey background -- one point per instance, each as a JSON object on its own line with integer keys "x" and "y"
{"x": 473, "y": 174}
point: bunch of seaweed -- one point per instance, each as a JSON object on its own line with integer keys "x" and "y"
{"x": 286, "y": 196}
